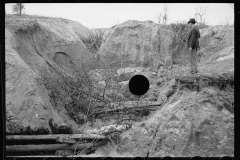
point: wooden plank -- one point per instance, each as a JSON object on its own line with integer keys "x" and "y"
{"x": 52, "y": 156}
{"x": 47, "y": 147}
{"x": 53, "y": 137}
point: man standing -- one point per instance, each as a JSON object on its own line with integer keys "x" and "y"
{"x": 193, "y": 45}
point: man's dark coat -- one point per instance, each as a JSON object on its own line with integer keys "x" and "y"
{"x": 193, "y": 38}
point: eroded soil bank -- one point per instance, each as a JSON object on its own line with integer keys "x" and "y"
{"x": 194, "y": 114}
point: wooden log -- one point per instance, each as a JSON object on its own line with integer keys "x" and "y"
{"x": 53, "y": 137}
{"x": 47, "y": 147}
{"x": 66, "y": 140}
{"x": 47, "y": 156}
{"x": 54, "y": 147}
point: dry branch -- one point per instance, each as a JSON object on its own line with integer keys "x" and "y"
{"x": 130, "y": 105}
{"x": 134, "y": 104}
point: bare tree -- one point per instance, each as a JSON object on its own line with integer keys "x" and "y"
{"x": 200, "y": 15}
{"x": 18, "y": 8}
{"x": 159, "y": 18}
{"x": 163, "y": 17}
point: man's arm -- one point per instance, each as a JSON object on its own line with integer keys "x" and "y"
{"x": 199, "y": 35}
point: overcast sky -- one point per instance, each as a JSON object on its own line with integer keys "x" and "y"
{"x": 105, "y": 15}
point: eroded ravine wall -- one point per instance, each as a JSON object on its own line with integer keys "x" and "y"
{"x": 30, "y": 43}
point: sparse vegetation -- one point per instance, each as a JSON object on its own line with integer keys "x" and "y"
{"x": 81, "y": 95}
{"x": 163, "y": 17}
{"x": 182, "y": 32}
{"x": 72, "y": 90}
{"x": 35, "y": 16}
{"x": 94, "y": 42}
{"x": 200, "y": 17}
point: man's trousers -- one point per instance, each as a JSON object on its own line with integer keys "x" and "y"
{"x": 193, "y": 60}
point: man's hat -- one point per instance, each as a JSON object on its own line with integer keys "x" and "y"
{"x": 192, "y": 20}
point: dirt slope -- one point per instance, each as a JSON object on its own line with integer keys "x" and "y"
{"x": 32, "y": 42}
{"x": 196, "y": 115}
{"x": 196, "y": 118}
